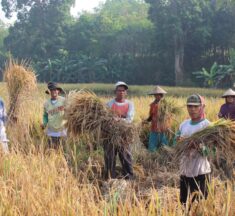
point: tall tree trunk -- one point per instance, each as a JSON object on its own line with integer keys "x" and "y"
{"x": 179, "y": 59}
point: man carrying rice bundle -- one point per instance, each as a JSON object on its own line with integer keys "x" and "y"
{"x": 53, "y": 116}
{"x": 194, "y": 166}
{"x": 125, "y": 110}
{"x": 3, "y": 119}
{"x": 157, "y": 135}
{"x": 227, "y": 110}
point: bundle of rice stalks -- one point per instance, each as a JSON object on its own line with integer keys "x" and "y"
{"x": 22, "y": 89}
{"x": 161, "y": 159}
{"x": 118, "y": 132}
{"x": 21, "y": 81}
{"x": 86, "y": 113}
{"x": 167, "y": 110}
{"x": 216, "y": 140}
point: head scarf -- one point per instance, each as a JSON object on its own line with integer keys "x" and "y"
{"x": 202, "y": 107}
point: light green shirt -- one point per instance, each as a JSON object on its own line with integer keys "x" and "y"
{"x": 53, "y": 115}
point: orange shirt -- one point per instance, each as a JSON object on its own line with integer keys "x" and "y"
{"x": 124, "y": 109}
{"x": 121, "y": 111}
{"x": 153, "y": 113}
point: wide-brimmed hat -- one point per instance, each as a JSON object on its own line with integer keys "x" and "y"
{"x": 54, "y": 86}
{"x": 157, "y": 90}
{"x": 229, "y": 92}
{"x": 121, "y": 83}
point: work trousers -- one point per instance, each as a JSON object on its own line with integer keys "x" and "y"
{"x": 110, "y": 153}
{"x": 55, "y": 142}
{"x": 156, "y": 140}
{"x": 189, "y": 185}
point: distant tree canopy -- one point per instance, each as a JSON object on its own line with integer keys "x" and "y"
{"x": 157, "y": 41}
{"x": 39, "y": 31}
{"x": 3, "y": 53}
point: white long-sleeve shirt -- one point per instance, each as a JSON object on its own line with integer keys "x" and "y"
{"x": 194, "y": 163}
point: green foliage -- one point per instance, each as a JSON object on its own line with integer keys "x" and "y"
{"x": 210, "y": 77}
{"x": 3, "y": 34}
{"x": 40, "y": 32}
{"x": 204, "y": 28}
{"x": 227, "y": 72}
{"x": 122, "y": 40}
{"x": 232, "y": 58}
{"x": 80, "y": 68}
{"x": 22, "y": 7}
{"x": 219, "y": 73}
{"x": 178, "y": 22}
{"x": 3, "y": 53}
{"x": 118, "y": 27}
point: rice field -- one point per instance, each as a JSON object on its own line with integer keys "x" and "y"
{"x": 37, "y": 181}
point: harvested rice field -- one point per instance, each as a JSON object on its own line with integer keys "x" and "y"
{"x": 35, "y": 180}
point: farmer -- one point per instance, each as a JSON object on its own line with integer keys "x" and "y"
{"x": 53, "y": 116}
{"x": 194, "y": 167}
{"x": 125, "y": 110}
{"x": 3, "y": 136}
{"x": 227, "y": 110}
{"x": 157, "y": 135}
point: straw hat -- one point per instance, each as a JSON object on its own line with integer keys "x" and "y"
{"x": 229, "y": 92}
{"x": 157, "y": 90}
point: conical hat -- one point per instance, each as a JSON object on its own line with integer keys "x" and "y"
{"x": 157, "y": 90}
{"x": 229, "y": 92}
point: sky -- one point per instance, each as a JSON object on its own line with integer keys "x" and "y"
{"x": 85, "y": 5}
{"x": 80, "y": 5}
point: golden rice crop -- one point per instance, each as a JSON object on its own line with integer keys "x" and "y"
{"x": 43, "y": 184}
{"x": 21, "y": 80}
{"x": 167, "y": 111}
{"x": 218, "y": 140}
{"x": 86, "y": 113}
{"x": 22, "y": 92}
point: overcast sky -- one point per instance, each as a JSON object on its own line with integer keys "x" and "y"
{"x": 80, "y": 5}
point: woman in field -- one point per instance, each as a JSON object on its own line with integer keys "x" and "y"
{"x": 194, "y": 167}
{"x": 227, "y": 110}
{"x": 157, "y": 135}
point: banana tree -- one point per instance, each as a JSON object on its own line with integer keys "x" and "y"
{"x": 226, "y": 73}
{"x": 210, "y": 77}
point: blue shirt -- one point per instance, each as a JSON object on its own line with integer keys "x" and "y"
{"x": 3, "y": 115}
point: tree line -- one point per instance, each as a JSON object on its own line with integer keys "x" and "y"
{"x": 141, "y": 42}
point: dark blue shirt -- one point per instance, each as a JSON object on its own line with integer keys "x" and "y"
{"x": 227, "y": 111}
